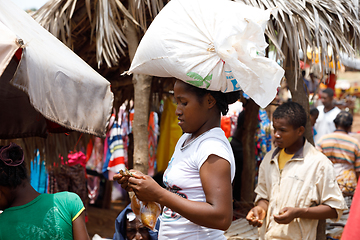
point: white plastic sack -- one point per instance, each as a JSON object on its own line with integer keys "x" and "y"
{"x": 8, "y": 46}
{"x": 59, "y": 84}
{"x": 213, "y": 44}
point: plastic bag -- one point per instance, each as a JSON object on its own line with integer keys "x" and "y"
{"x": 214, "y": 44}
{"x": 146, "y": 212}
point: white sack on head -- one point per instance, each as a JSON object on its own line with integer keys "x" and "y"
{"x": 214, "y": 44}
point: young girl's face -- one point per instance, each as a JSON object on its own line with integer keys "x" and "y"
{"x": 192, "y": 112}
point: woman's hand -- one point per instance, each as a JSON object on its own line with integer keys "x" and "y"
{"x": 145, "y": 187}
{"x": 123, "y": 181}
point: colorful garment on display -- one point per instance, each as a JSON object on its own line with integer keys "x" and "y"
{"x": 116, "y": 149}
{"x": 153, "y": 129}
{"x": 95, "y": 162}
{"x": 226, "y": 125}
{"x": 72, "y": 179}
{"x": 170, "y": 134}
{"x": 123, "y": 119}
{"x": 262, "y": 138}
{"x": 38, "y": 174}
{"x": 75, "y": 158}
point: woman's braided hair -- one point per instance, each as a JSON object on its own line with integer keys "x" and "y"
{"x": 12, "y": 176}
{"x": 222, "y": 99}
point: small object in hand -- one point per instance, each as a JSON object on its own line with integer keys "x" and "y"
{"x": 126, "y": 173}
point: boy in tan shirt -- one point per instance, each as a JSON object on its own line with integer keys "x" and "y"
{"x": 297, "y": 184}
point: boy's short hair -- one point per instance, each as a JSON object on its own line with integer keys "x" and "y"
{"x": 293, "y": 112}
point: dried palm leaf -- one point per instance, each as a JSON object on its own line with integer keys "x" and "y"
{"x": 317, "y": 25}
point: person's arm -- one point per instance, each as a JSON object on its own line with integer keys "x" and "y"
{"x": 79, "y": 228}
{"x": 287, "y": 214}
{"x": 215, "y": 213}
{"x": 257, "y": 214}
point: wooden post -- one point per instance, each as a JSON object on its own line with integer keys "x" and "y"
{"x": 249, "y": 164}
{"x": 142, "y": 88}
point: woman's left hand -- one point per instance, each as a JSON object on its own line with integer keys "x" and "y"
{"x": 145, "y": 187}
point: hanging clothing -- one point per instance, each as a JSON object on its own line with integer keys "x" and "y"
{"x": 153, "y": 129}
{"x": 95, "y": 163}
{"x": 71, "y": 176}
{"x": 226, "y": 125}
{"x": 123, "y": 116}
{"x": 72, "y": 179}
{"x": 38, "y": 175}
{"x": 170, "y": 134}
{"x": 115, "y": 160}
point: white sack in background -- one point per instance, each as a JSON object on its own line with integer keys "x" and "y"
{"x": 60, "y": 85}
{"x": 8, "y": 46}
{"x": 213, "y": 44}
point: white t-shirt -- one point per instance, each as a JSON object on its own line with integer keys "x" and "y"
{"x": 325, "y": 122}
{"x": 183, "y": 178}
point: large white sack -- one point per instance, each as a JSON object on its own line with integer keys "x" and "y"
{"x": 213, "y": 44}
{"x": 8, "y": 46}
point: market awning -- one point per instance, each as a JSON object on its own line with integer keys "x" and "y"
{"x": 50, "y": 83}
{"x": 349, "y": 61}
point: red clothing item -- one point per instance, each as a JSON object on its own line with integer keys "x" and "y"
{"x": 331, "y": 81}
{"x": 226, "y": 125}
{"x": 75, "y": 158}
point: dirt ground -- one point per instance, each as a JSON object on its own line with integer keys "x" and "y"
{"x": 102, "y": 221}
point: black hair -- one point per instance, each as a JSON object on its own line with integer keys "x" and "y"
{"x": 241, "y": 118}
{"x": 314, "y": 111}
{"x": 13, "y": 176}
{"x": 222, "y": 99}
{"x": 344, "y": 119}
{"x": 293, "y": 112}
{"x": 303, "y": 73}
{"x": 329, "y": 92}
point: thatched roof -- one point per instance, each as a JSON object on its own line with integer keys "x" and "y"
{"x": 327, "y": 26}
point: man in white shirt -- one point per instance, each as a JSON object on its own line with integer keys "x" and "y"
{"x": 327, "y": 113}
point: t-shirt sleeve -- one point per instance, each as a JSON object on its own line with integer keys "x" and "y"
{"x": 76, "y": 206}
{"x": 329, "y": 191}
{"x": 261, "y": 188}
{"x": 216, "y": 147}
